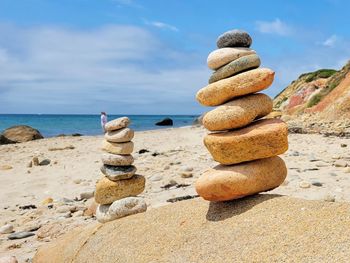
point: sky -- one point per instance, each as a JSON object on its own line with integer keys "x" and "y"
{"x": 149, "y": 57}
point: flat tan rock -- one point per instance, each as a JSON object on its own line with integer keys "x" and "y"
{"x": 242, "y": 84}
{"x": 260, "y": 228}
{"x": 238, "y": 112}
{"x": 223, "y": 56}
{"x": 262, "y": 139}
{"x": 117, "y": 124}
{"x": 241, "y": 64}
{"x": 117, "y": 159}
{"x": 118, "y": 148}
{"x": 108, "y": 191}
{"x": 122, "y": 135}
{"x": 224, "y": 182}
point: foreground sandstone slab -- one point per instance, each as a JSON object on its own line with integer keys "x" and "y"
{"x": 108, "y": 191}
{"x": 270, "y": 228}
{"x": 262, "y": 139}
{"x": 238, "y": 112}
{"x": 242, "y": 84}
{"x": 223, "y": 182}
{"x": 222, "y": 56}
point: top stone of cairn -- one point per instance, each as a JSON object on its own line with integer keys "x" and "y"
{"x": 234, "y": 38}
{"x": 117, "y": 124}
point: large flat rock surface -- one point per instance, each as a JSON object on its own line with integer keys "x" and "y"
{"x": 261, "y": 228}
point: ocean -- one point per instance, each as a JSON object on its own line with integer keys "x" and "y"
{"x": 53, "y": 125}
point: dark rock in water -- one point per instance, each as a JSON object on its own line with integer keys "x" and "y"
{"x": 22, "y": 133}
{"x": 45, "y": 162}
{"x": 143, "y": 151}
{"x": 76, "y": 134}
{"x": 234, "y": 38}
{"x": 165, "y": 122}
{"x": 20, "y": 235}
{"x": 4, "y": 140}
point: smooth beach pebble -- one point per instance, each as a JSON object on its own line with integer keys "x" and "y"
{"x": 262, "y": 139}
{"x": 108, "y": 191}
{"x": 120, "y": 208}
{"x": 116, "y": 159}
{"x": 6, "y": 229}
{"x": 245, "y": 83}
{"x": 238, "y": 112}
{"x": 8, "y": 259}
{"x": 223, "y": 56}
{"x": 116, "y": 173}
{"x": 122, "y": 135}
{"x": 117, "y": 124}
{"x": 223, "y": 182}
{"x": 304, "y": 184}
{"x": 118, "y": 148}
{"x": 235, "y": 67}
{"x": 234, "y": 38}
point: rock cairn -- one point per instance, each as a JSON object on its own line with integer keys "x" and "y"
{"x": 116, "y": 192}
{"x": 245, "y": 145}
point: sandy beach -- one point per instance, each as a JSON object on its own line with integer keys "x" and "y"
{"x": 316, "y": 171}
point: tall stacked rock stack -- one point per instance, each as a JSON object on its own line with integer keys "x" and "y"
{"x": 116, "y": 192}
{"x": 245, "y": 147}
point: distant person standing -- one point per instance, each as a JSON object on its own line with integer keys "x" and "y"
{"x": 103, "y": 121}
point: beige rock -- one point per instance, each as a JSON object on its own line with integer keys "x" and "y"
{"x": 223, "y": 56}
{"x": 231, "y": 182}
{"x": 122, "y": 135}
{"x": 118, "y": 148}
{"x": 242, "y": 84}
{"x": 268, "y": 228}
{"x": 117, "y": 124}
{"x": 5, "y": 167}
{"x": 262, "y": 139}
{"x": 108, "y": 191}
{"x": 243, "y": 63}
{"x": 8, "y": 259}
{"x": 238, "y": 112}
{"x": 117, "y": 160}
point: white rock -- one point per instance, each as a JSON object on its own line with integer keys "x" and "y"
{"x": 8, "y": 259}
{"x": 304, "y": 184}
{"x": 6, "y": 229}
{"x": 66, "y": 209}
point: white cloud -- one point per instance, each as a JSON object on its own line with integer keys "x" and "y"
{"x": 331, "y": 41}
{"x": 274, "y": 27}
{"x": 161, "y": 25}
{"x": 121, "y": 69}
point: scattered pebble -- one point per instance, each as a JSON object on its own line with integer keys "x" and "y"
{"x": 87, "y": 195}
{"x": 35, "y": 161}
{"x": 316, "y": 183}
{"x": 47, "y": 201}
{"x": 6, "y": 229}
{"x": 20, "y": 235}
{"x": 156, "y": 178}
{"x": 347, "y": 170}
{"x": 329, "y": 198}
{"x": 186, "y": 174}
{"x": 77, "y": 181}
{"x": 45, "y": 162}
{"x": 66, "y": 209}
{"x": 340, "y": 163}
{"x": 304, "y": 184}
{"x": 343, "y": 145}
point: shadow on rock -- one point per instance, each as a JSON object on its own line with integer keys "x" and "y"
{"x": 219, "y": 211}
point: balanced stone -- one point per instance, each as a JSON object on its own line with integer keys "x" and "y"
{"x": 236, "y": 66}
{"x": 223, "y": 182}
{"x": 120, "y": 208}
{"x": 238, "y": 112}
{"x": 262, "y": 139}
{"x": 118, "y": 148}
{"x": 244, "y": 83}
{"x": 108, "y": 191}
{"x": 116, "y": 159}
{"x": 122, "y": 135}
{"x": 223, "y": 56}
{"x": 116, "y": 173}
{"x": 234, "y": 38}
{"x": 117, "y": 124}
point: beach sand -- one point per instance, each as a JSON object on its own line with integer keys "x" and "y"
{"x": 315, "y": 171}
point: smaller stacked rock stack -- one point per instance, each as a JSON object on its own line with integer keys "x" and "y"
{"x": 245, "y": 147}
{"x": 116, "y": 192}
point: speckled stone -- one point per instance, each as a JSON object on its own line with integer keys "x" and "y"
{"x": 223, "y": 56}
{"x": 234, "y": 38}
{"x": 224, "y": 182}
{"x": 117, "y": 159}
{"x": 238, "y": 112}
{"x": 267, "y": 227}
{"x": 117, "y": 124}
{"x": 122, "y": 135}
{"x": 245, "y": 83}
{"x": 118, "y": 148}
{"x": 120, "y": 208}
{"x": 235, "y": 67}
{"x": 108, "y": 191}
{"x": 116, "y": 173}
{"x": 262, "y": 139}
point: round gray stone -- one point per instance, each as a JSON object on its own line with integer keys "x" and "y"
{"x": 234, "y": 38}
{"x": 116, "y": 173}
{"x": 120, "y": 208}
{"x": 116, "y": 159}
{"x": 235, "y": 67}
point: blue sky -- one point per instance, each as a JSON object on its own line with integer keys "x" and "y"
{"x": 149, "y": 57}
